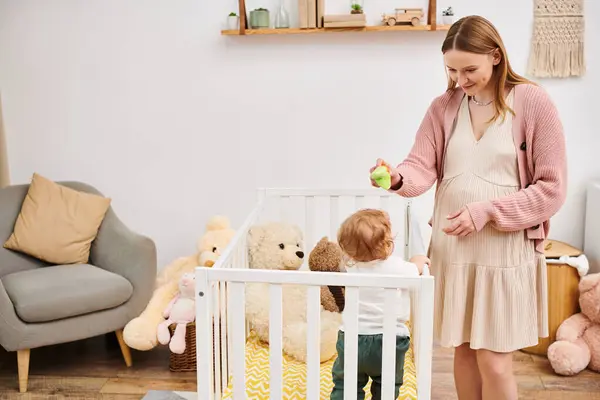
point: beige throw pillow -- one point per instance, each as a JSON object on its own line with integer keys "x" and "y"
{"x": 57, "y": 224}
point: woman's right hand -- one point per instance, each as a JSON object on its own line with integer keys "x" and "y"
{"x": 395, "y": 175}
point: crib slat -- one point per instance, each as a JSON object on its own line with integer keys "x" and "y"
{"x": 389, "y": 344}
{"x": 275, "y": 345}
{"x": 334, "y": 212}
{"x": 425, "y": 332}
{"x": 351, "y": 343}
{"x": 385, "y": 204}
{"x": 204, "y": 336}
{"x": 359, "y": 202}
{"x": 224, "y": 335}
{"x": 217, "y": 326}
{"x": 309, "y": 206}
{"x": 313, "y": 339}
{"x": 285, "y": 208}
{"x": 239, "y": 339}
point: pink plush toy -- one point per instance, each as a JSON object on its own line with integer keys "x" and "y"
{"x": 181, "y": 311}
{"x": 577, "y": 343}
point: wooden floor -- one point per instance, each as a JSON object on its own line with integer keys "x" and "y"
{"x": 94, "y": 369}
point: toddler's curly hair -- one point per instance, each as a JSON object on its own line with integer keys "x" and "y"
{"x": 366, "y": 235}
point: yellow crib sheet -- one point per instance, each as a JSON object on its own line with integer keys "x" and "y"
{"x": 294, "y": 376}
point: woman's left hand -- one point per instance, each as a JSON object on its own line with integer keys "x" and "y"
{"x": 462, "y": 223}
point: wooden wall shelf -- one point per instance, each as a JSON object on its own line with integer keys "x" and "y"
{"x": 298, "y": 31}
{"x": 431, "y": 26}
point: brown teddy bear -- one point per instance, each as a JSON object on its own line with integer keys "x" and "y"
{"x": 327, "y": 257}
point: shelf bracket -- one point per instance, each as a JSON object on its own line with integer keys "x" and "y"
{"x": 243, "y": 20}
{"x": 432, "y": 15}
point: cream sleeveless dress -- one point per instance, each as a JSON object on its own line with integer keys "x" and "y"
{"x": 490, "y": 286}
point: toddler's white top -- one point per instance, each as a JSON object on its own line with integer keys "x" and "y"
{"x": 371, "y": 301}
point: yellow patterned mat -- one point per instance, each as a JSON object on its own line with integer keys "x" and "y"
{"x": 294, "y": 376}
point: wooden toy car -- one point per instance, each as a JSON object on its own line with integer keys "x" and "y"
{"x": 404, "y": 15}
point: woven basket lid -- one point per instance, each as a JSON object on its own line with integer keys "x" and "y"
{"x": 557, "y": 249}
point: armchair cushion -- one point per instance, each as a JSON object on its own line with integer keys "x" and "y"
{"x": 63, "y": 291}
{"x": 57, "y": 224}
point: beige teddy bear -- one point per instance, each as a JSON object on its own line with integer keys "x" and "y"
{"x": 141, "y": 332}
{"x": 279, "y": 246}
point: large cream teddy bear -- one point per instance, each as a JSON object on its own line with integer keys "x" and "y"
{"x": 279, "y": 246}
{"x": 577, "y": 344}
{"x": 141, "y": 332}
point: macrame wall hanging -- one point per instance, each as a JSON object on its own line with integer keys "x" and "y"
{"x": 557, "y": 49}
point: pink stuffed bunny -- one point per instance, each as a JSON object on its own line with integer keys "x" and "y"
{"x": 181, "y": 311}
{"x": 577, "y": 343}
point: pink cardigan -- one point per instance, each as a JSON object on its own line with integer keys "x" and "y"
{"x": 538, "y": 137}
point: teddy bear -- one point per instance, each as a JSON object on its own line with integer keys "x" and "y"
{"x": 326, "y": 256}
{"x": 577, "y": 344}
{"x": 141, "y": 332}
{"x": 181, "y": 310}
{"x": 280, "y": 246}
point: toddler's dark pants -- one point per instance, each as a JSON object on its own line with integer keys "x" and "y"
{"x": 369, "y": 365}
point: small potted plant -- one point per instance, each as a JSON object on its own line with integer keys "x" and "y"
{"x": 448, "y": 16}
{"x": 233, "y": 21}
{"x": 356, "y": 7}
{"x": 259, "y": 18}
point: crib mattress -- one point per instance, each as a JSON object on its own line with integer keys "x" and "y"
{"x": 294, "y": 376}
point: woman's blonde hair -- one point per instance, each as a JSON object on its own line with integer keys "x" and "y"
{"x": 475, "y": 34}
{"x": 366, "y": 236}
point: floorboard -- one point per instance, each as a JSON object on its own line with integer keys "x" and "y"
{"x": 94, "y": 369}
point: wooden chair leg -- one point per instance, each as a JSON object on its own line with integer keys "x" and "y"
{"x": 23, "y": 366}
{"x": 124, "y": 348}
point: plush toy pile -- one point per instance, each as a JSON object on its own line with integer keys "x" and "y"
{"x": 279, "y": 246}
{"x": 577, "y": 345}
{"x": 273, "y": 246}
{"x": 141, "y": 332}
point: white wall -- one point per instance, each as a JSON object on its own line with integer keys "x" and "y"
{"x": 148, "y": 102}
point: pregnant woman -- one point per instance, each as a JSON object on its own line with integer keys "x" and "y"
{"x": 493, "y": 143}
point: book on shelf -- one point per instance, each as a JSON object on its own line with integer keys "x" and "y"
{"x": 320, "y": 12}
{"x": 303, "y": 14}
{"x": 310, "y": 13}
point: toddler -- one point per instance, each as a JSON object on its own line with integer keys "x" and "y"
{"x": 367, "y": 242}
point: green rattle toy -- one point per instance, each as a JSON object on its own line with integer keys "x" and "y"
{"x": 381, "y": 176}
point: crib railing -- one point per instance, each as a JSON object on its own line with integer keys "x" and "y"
{"x": 319, "y": 212}
{"x": 219, "y": 286}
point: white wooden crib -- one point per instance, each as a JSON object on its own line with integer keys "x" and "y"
{"x": 221, "y": 347}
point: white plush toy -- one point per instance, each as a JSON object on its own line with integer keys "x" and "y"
{"x": 580, "y": 263}
{"x": 181, "y": 311}
{"x": 280, "y": 246}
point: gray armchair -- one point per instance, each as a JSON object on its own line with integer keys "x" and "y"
{"x": 42, "y": 304}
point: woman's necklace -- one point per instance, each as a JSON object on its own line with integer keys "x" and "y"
{"x": 481, "y": 104}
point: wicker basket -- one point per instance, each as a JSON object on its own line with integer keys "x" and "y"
{"x": 186, "y": 362}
